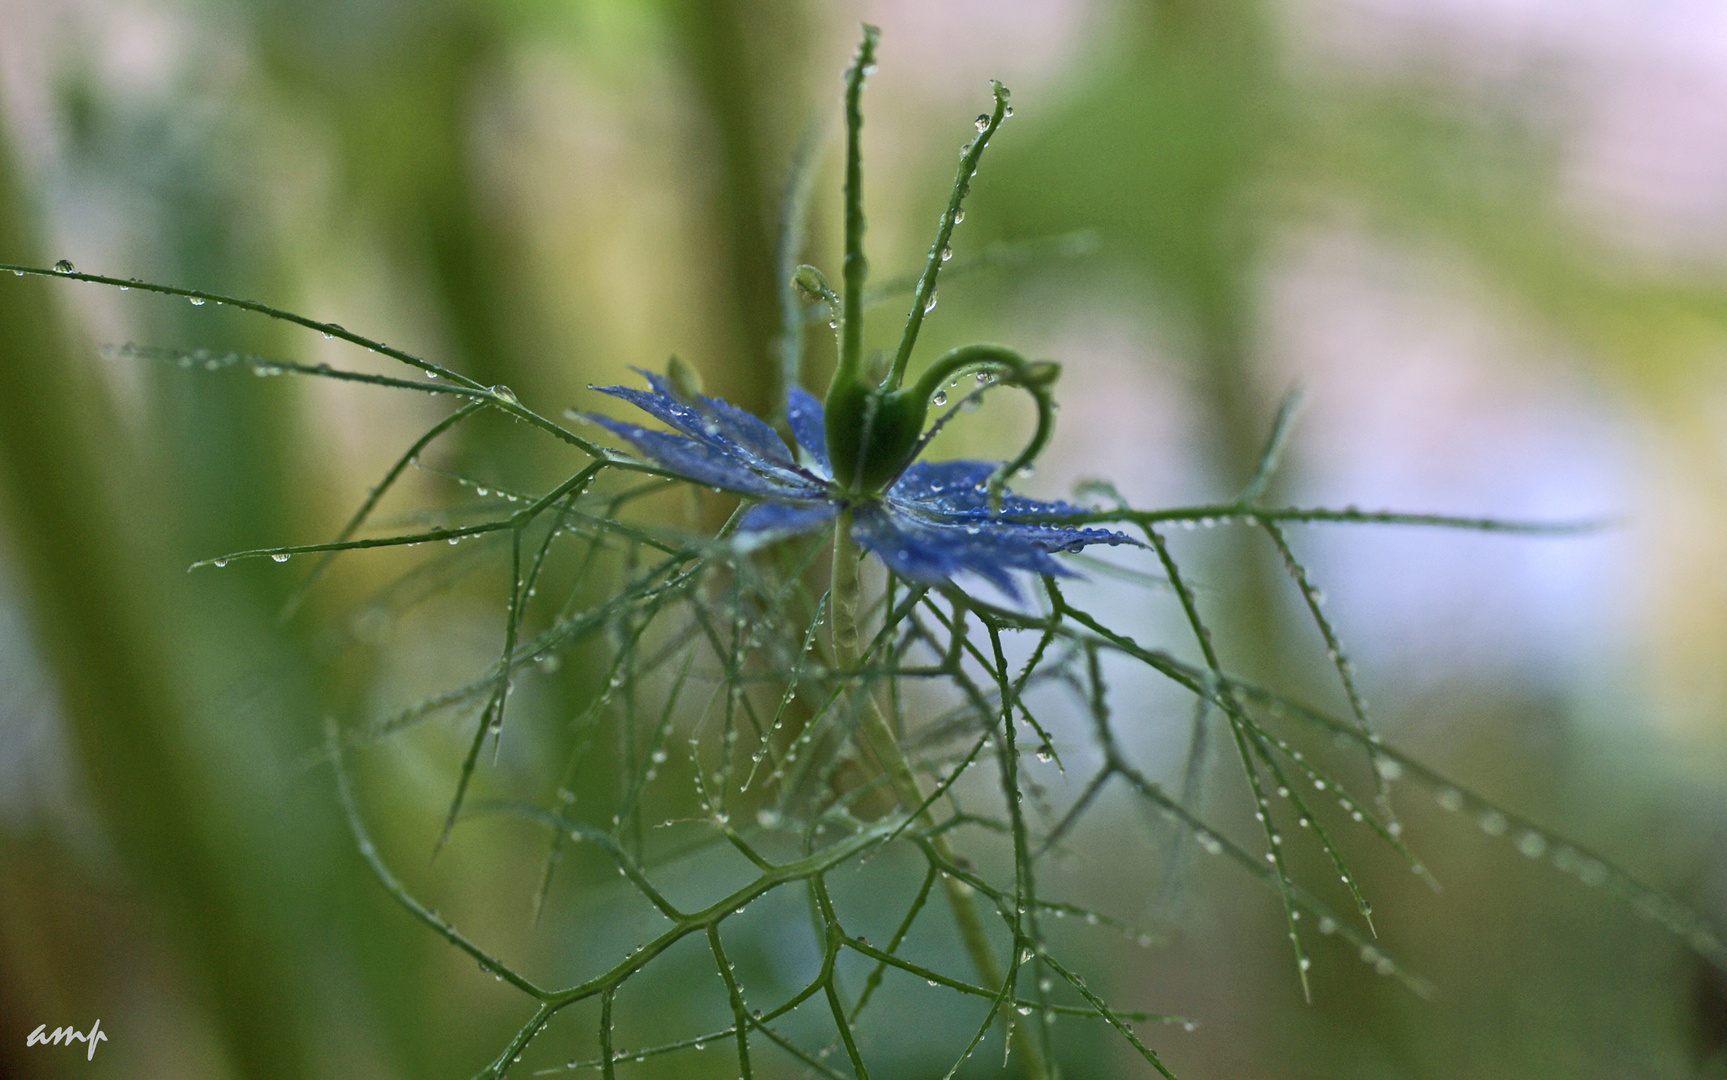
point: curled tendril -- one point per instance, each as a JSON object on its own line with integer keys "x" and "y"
{"x": 1035, "y": 377}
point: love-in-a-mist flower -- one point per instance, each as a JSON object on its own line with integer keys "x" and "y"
{"x": 857, "y": 458}
{"x": 928, "y": 521}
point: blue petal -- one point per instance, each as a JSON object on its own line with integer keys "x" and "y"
{"x": 959, "y": 489}
{"x": 926, "y": 540}
{"x": 717, "y": 424}
{"x": 923, "y": 549}
{"x": 809, "y": 427}
{"x": 734, "y": 424}
{"x": 705, "y": 463}
{"x": 787, "y": 519}
{"x": 911, "y": 553}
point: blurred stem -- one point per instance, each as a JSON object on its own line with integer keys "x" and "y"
{"x": 717, "y": 37}
{"x": 97, "y": 619}
{"x": 879, "y": 735}
{"x": 1230, "y": 385}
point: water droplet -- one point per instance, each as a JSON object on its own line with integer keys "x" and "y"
{"x": 1532, "y": 844}
{"x": 946, "y": 253}
{"x": 1007, "y": 111}
{"x": 504, "y": 393}
{"x": 280, "y": 556}
{"x": 1450, "y": 799}
{"x": 481, "y": 492}
{"x": 939, "y": 399}
{"x": 197, "y": 301}
{"x": 1493, "y": 823}
{"x": 929, "y": 305}
{"x": 959, "y": 215}
{"x": 64, "y": 266}
{"x": 1389, "y": 769}
{"x": 1305, "y": 963}
{"x": 1189, "y": 1025}
{"x": 1045, "y": 752}
{"x": 984, "y": 378}
{"x": 659, "y": 756}
{"x": 1023, "y": 1010}
{"x": 219, "y": 563}
{"x": 454, "y": 540}
{"x": 981, "y": 122}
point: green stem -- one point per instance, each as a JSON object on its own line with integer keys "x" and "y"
{"x": 920, "y": 304}
{"x": 878, "y": 734}
{"x": 856, "y": 267}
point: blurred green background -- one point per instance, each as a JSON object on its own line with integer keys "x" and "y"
{"x": 1487, "y": 238}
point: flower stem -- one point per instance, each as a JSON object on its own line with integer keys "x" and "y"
{"x": 878, "y": 734}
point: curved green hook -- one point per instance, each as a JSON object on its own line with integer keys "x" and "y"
{"x": 1035, "y": 377}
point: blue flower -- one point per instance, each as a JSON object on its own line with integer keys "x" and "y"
{"x": 931, "y": 522}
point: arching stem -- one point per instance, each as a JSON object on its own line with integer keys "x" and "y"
{"x": 1034, "y": 377}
